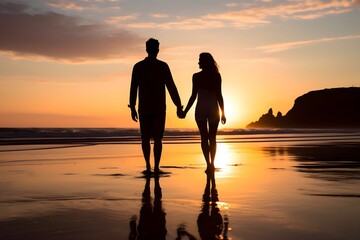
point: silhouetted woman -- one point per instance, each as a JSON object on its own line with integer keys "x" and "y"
{"x": 207, "y": 88}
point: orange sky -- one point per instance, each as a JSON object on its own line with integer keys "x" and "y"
{"x": 68, "y": 63}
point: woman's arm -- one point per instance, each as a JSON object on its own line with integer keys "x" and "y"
{"x": 220, "y": 100}
{"x": 193, "y": 95}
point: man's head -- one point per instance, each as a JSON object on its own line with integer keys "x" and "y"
{"x": 152, "y": 46}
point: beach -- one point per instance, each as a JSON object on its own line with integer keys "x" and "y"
{"x": 289, "y": 185}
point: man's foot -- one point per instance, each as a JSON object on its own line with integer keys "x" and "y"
{"x": 158, "y": 171}
{"x": 147, "y": 172}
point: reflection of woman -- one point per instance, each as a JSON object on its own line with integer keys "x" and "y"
{"x": 211, "y": 225}
{"x": 207, "y": 88}
{"x": 210, "y": 222}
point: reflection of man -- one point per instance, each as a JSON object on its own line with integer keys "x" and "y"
{"x": 152, "y": 222}
{"x": 150, "y": 77}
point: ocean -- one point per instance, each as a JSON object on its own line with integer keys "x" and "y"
{"x": 9, "y": 136}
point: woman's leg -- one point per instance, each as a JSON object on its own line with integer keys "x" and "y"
{"x": 202, "y": 125}
{"x": 213, "y": 127}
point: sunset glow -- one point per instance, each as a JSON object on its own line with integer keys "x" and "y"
{"x": 68, "y": 63}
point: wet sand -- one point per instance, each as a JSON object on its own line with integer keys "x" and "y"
{"x": 291, "y": 187}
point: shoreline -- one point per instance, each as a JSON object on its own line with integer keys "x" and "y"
{"x": 191, "y": 139}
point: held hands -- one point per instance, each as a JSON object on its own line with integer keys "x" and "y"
{"x": 180, "y": 113}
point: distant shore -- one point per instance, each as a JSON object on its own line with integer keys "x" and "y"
{"x": 92, "y": 136}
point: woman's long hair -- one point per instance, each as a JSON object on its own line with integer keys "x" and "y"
{"x": 208, "y": 62}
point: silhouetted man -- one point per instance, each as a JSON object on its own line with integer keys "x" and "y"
{"x": 150, "y": 77}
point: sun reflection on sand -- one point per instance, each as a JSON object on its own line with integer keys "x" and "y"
{"x": 223, "y": 155}
{"x": 226, "y": 158}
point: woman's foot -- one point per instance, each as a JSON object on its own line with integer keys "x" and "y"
{"x": 209, "y": 169}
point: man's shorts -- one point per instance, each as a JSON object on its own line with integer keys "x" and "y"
{"x": 152, "y": 125}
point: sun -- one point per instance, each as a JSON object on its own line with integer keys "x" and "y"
{"x": 233, "y": 113}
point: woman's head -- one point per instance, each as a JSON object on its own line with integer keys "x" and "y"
{"x": 207, "y": 62}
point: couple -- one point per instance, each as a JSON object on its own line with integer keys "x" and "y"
{"x": 149, "y": 79}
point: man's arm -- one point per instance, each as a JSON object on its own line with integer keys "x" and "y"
{"x": 133, "y": 93}
{"x": 170, "y": 85}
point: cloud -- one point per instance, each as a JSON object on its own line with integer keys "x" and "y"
{"x": 120, "y": 19}
{"x": 83, "y": 5}
{"x": 290, "y": 45}
{"x": 60, "y": 37}
{"x": 66, "y": 5}
{"x": 185, "y": 24}
{"x": 159, "y": 15}
{"x": 257, "y": 13}
{"x": 298, "y": 9}
{"x": 309, "y": 16}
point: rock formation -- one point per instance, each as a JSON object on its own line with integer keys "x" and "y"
{"x": 328, "y": 108}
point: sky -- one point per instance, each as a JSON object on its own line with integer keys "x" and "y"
{"x": 68, "y": 63}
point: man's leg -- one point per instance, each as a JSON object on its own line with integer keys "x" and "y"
{"x": 145, "y": 123}
{"x": 157, "y": 153}
{"x": 158, "y": 132}
{"x": 145, "y": 144}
